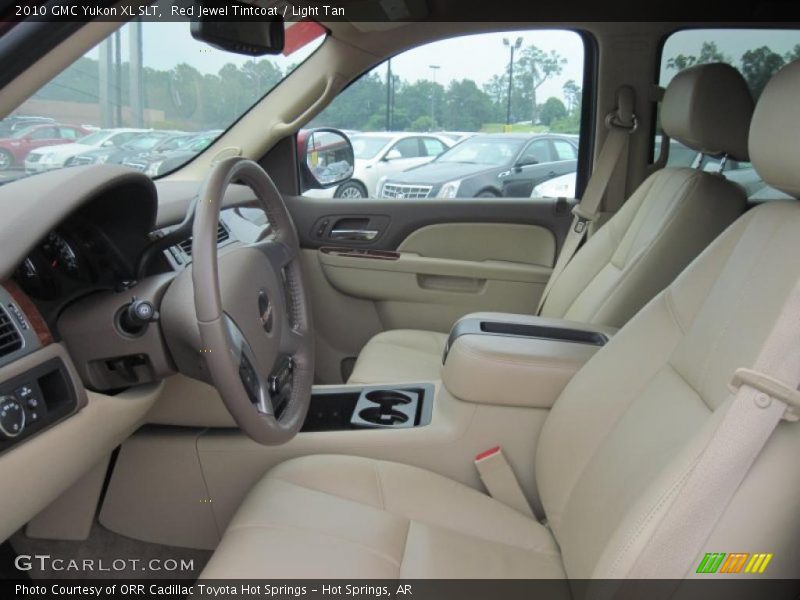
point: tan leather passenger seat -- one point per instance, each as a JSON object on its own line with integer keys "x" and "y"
{"x": 666, "y": 223}
{"x": 622, "y": 434}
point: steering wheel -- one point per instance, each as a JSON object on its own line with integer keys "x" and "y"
{"x": 252, "y": 310}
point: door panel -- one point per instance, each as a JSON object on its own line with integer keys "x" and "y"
{"x": 430, "y": 262}
{"x": 413, "y": 291}
{"x": 398, "y": 218}
{"x": 528, "y": 244}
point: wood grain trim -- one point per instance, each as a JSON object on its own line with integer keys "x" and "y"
{"x": 32, "y": 313}
{"x": 361, "y": 253}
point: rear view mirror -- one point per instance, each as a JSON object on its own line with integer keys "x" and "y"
{"x": 253, "y": 36}
{"x": 326, "y": 156}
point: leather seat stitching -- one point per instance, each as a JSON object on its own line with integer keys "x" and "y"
{"x": 627, "y": 268}
{"x": 628, "y": 264}
{"x": 591, "y": 455}
{"x": 379, "y": 485}
{"x": 654, "y": 510}
{"x": 405, "y": 347}
{"x": 283, "y": 526}
{"x": 396, "y": 514}
{"x": 525, "y": 363}
{"x": 755, "y": 267}
{"x": 669, "y": 302}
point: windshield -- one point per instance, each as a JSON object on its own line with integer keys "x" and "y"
{"x": 482, "y": 151}
{"x": 144, "y": 142}
{"x": 151, "y": 76}
{"x": 93, "y": 139}
{"x": 367, "y": 147}
{"x": 23, "y": 132}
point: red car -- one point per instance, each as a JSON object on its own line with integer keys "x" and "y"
{"x": 14, "y": 149}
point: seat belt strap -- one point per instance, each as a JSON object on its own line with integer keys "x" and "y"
{"x": 763, "y": 396}
{"x": 500, "y": 481}
{"x": 621, "y": 122}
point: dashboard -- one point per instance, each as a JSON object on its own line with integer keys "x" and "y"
{"x": 71, "y": 268}
{"x": 84, "y": 253}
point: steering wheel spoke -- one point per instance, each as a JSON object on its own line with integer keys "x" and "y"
{"x": 278, "y": 253}
{"x": 254, "y": 385}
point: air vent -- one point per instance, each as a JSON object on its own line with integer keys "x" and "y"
{"x": 10, "y": 339}
{"x": 222, "y": 236}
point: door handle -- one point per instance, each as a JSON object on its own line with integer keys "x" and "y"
{"x": 354, "y": 235}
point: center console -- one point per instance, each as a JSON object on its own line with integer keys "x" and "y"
{"x": 517, "y": 360}
{"x": 338, "y": 408}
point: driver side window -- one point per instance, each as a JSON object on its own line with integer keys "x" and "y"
{"x": 477, "y": 102}
{"x": 408, "y": 148}
{"x": 537, "y": 152}
{"x": 43, "y": 133}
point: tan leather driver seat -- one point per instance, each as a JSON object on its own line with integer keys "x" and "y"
{"x": 622, "y": 434}
{"x": 666, "y": 223}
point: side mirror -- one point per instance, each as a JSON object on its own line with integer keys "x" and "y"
{"x": 392, "y": 154}
{"x": 107, "y": 144}
{"x": 326, "y": 158}
{"x": 526, "y": 162}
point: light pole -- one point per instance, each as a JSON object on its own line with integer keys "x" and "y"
{"x": 389, "y": 84}
{"x": 433, "y": 69}
{"x": 515, "y": 46}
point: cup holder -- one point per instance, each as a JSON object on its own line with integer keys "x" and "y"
{"x": 387, "y": 398}
{"x": 386, "y": 408}
{"x": 381, "y": 416}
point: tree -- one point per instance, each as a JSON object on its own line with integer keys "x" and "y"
{"x": 422, "y": 123}
{"x": 552, "y": 109}
{"x": 793, "y": 54}
{"x": 467, "y": 106}
{"x": 573, "y": 95}
{"x": 363, "y": 103}
{"x": 709, "y": 53}
{"x": 537, "y": 66}
{"x": 185, "y": 91}
{"x": 497, "y": 90}
{"x": 422, "y": 98}
{"x": 758, "y": 65}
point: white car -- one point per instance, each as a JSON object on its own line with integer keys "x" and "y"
{"x": 55, "y": 157}
{"x": 557, "y": 187}
{"x": 380, "y": 154}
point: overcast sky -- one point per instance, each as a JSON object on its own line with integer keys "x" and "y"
{"x": 479, "y": 57}
{"x": 476, "y": 57}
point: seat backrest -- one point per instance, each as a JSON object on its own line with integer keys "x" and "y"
{"x": 629, "y": 425}
{"x": 672, "y": 216}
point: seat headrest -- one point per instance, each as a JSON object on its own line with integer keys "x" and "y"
{"x": 775, "y": 131}
{"x": 708, "y": 108}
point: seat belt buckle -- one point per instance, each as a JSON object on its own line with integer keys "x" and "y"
{"x": 770, "y": 387}
{"x": 500, "y": 481}
{"x": 582, "y": 219}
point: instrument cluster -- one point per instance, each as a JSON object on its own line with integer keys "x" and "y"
{"x": 70, "y": 259}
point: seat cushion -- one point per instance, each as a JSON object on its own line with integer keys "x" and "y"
{"x": 332, "y": 516}
{"x": 400, "y": 355}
